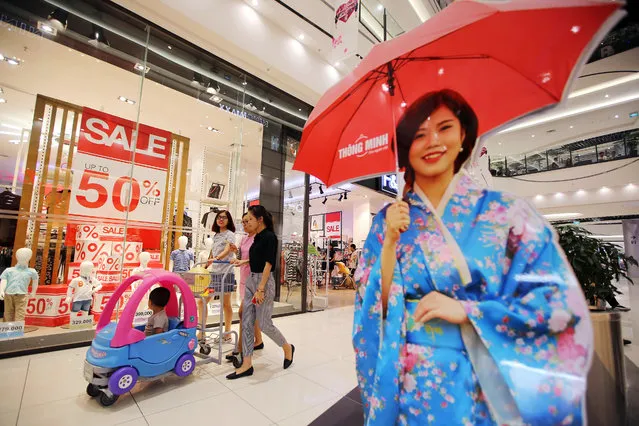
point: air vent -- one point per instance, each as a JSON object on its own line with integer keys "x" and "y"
{"x": 551, "y": 131}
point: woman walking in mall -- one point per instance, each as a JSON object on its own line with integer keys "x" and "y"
{"x": 223, "y": 274}
{"x": 260, "y": 291}
{"x": 466, "y": 311}
{"x": 245, "y": 271}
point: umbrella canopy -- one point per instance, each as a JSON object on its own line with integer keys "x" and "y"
{"x": 506, "y": 59}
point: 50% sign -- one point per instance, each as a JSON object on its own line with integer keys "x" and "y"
{"x": 123, "y": 191}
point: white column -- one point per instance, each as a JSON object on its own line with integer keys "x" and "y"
{"x": 361, "y": 222}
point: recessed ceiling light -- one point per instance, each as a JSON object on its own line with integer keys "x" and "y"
{"x": 244, "y": 83}
{"x": 616, "y": 115}
{"x": 499, "y": 143}
{"x": 254, "y": 2}
{"x": 301, "y": 37}
{"x": 607, "y": 96}
{"x": 127, "y": 100}
{"x": 532, "y": 136}
{"x": 380, "y": 7}
{"x": 604, "y": 190}
{"x": 46, "y": 28}
{"x": 337, "y": 64}
{"x": 140, "y": 67}
{"x": 580, "y": 193}
{"x": 3, "y": 101}
{"x": 539, "y": 197}
{"x": 170, "y": 47}
{"x": 572, "y": 127}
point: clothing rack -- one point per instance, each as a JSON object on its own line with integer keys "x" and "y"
{"x": 292, "y": 253}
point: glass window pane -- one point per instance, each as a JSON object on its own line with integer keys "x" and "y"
{"x": 536, "y": 162}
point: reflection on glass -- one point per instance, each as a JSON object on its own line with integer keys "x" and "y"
{"x": 559, "y": 158}
{"x": 516, "y": 165}
{"x": 536, "y": 162}
{"x": 584, "y": 156}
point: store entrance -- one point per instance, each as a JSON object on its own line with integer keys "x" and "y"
{"x": 339, "y": 221}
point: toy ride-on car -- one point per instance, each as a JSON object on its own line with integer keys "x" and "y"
{"x": 121, "y": 353}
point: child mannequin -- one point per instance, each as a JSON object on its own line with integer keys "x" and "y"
{"x": 82, "y": 289}
{"x": 181, "y": 259}
{"x": 14, "y": 285}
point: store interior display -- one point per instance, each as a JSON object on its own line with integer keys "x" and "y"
{"x": 14, "y": 286}
{"x": 82, "y": 288}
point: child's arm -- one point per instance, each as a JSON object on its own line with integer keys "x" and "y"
{"x": 158, "y": 330}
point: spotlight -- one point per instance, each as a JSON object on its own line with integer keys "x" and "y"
{"x": 290, "y": 194}
{"x": 98, "y": 37}
{"x": 139, "y": 67}
{"x": 341, "y": 197}
{"x": 47, "y": 28}
{"x": 58, "y": 19}
{"x": 321, "y": 190}
{"x": 346, "y": 196}
{"x": 325, "y": 200}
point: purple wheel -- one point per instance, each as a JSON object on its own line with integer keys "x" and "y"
{"x": 185, "y": 365}
{"x": 123, "y": 380}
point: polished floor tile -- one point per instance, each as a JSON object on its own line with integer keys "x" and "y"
{"x": 49, "y": 388}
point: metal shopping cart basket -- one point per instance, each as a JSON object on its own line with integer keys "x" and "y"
{"x": 205, "y": 284}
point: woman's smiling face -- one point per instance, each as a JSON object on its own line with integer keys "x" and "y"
{"x": 436, "y": 144}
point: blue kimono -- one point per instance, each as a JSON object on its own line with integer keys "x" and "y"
{"x": 523, "y": 356}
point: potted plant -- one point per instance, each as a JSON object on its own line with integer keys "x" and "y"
{"x": 597, "y": 263}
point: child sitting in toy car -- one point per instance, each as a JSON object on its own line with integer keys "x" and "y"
{"x": 159, "y": 321}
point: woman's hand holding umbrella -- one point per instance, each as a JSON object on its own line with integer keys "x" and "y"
{"x": 397, "y": 221}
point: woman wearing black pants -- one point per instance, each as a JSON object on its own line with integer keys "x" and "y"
{"x": 260, "y": 291}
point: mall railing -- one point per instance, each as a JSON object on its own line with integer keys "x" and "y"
{"x": 615, "y": 146}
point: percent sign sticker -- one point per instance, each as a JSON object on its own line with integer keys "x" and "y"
{"x": 105, "y": 188}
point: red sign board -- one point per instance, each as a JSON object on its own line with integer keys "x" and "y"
{"x": 333, "y": 225}
{"x": 106, "y": 135}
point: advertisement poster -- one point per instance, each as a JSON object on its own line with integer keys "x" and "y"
{"x": 317, "y": 223}
{"x": 346, "y": 29}
{"x": 102, "y": 185}
{"x": 333, "y": 226}
{"x": 631, "y": 243}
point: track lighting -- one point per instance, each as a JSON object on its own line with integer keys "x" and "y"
{"x": 346, "y": 196}
{"x": 321, "y": 190}
{"x": 58, "y": 19}
{"x": 325, "y": 200}
{"x": 341, "y": 197}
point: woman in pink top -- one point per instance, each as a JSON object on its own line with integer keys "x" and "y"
{"x": 245, "y": 270}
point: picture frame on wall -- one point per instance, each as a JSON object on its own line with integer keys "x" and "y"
{"x": 317, "y": 223}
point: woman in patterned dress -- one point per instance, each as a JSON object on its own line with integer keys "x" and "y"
{"x": 467, "y": 312}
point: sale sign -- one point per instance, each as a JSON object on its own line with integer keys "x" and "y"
{"x": 104, "y": 183}
{"x": 333, "y": 225}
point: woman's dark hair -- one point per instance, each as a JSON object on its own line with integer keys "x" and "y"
{"x": 230, "y": 224}
{"x": 260, "y": 212}
{"x": 419, "y": 111}
{"x": 160, "y": 296}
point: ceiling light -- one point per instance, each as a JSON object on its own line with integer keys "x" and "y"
{"x": 539, "y": 197}
{"x": 572, "y": 127}
{"x": 559, "y": 195}
{"x": 607, "y": 96}
{"x": 213, "y": 129}
{"x": 616, "y": 115}
{"x": 13, "y": 61}
{"x": 580, "y": 193}
{"x": 47, "y": 28}
{"x": 1, "y": 57}
{"x": 336, "y": 64}
{"x": 127, "y": 100}
{"x": 604, "y": 190}
{"x": 403, "y": 104}
{"x": 570, "y": 112}
{"x": 605, "y": 85}
{"x": 380, "y": 7}
{"x": 3, "y": 101}
{"x": 170, "y": 47}
{"x": 385, "y": 87}
{"x": 558, "y": 216}
{"x": 532, "y": 136}
{"x": 140, "y": 67}
{"x": 198, "y": 80}
{"x": 211, "y": 90}
{"x": 216, "y": 99}
{"x": 301, "y": 37}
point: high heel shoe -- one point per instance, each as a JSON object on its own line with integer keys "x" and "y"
{"x": 234, "y": 374}
{"x": 288, "y": 362}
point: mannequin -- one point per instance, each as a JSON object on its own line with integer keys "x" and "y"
{"x": 14, "y": 286}
{"x": 144, "y": 258}
{"x": 82, "y": 289}
{"x": 181, "y": 259}
{"x": 204, "y": 255}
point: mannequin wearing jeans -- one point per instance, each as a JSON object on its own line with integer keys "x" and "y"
{"x": 14, "y": 286}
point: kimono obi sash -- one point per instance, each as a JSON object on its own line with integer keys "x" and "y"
{"x": 436, "y": 332}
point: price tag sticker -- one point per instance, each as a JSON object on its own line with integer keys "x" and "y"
{"x": 142, "y": 317}
{"x": 77, "y": 322}
{"x": 11, "y": 330}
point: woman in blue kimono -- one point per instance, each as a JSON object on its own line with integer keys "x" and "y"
{"x": 467, "y": 312}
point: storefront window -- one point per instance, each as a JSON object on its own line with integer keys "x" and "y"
{"x": 516, "y": 165}
{"x": 584, "y": 156}
{"x": 117, "y": 139}
{"x": 536, "y": 162}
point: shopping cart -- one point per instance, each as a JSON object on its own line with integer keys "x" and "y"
{"x": 204, "y": 284}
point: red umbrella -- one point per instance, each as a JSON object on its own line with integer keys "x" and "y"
{"x": 506, "y": 59}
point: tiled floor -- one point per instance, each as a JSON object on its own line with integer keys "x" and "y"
{"x": 49, "y": 388}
